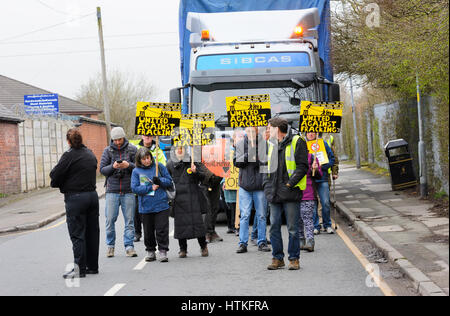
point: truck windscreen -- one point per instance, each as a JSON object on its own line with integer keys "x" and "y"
{"x": 213, "y": 101}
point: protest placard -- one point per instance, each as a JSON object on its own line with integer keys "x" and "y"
{"x": 194, "y": 130}
{"x": 157, "y": 119}
{"x": 248, "y": 111}
{"x": 215, "y": 157}
{"x": 317, "y": 147}
{"x": 321, "y": 117}
{"x": 232, "y": 179}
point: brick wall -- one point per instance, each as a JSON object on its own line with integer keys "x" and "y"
{"x": 9, "y": 157}
{"x": 94, "y": 137}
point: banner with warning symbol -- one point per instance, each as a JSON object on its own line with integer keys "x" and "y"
{"x": 317, "y": 147}
{"x": 157, "y": 119}
{"x": 195, "y": 130}
{"x": 248, "y": 111}
{"x": 321, "y": 117}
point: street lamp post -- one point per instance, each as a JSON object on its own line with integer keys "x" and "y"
{"x": 422, "y": 160}
{"x": 355, "y": 131}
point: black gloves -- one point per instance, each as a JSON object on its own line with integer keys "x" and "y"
{"x": 156, "y": 181}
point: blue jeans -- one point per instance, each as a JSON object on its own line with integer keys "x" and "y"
{"x": 254, "y": 234}
{"x": 292, "y": 212}
{"x": 324, "y": 195}
{"x": 113, "y": 202}
{"x": 246, "y": 201}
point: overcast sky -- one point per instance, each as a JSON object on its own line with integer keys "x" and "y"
{"x": 53, "y": 44}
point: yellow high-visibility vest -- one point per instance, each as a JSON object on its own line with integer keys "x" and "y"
{"x": 161, "y": 156}
{"x": 290, "y": 161}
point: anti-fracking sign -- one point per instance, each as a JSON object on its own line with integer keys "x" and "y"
{"x": 195, "y": 130}
{"x": 321, "y": 117}
{"x": 317, "y": 147}
{"x": 248, "y": 111}
{"x": 157, "y": 119}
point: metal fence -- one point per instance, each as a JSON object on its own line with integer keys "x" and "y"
{"x": 42, "y": 142}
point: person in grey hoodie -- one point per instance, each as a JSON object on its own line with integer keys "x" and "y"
{"x": 116, "y": 165}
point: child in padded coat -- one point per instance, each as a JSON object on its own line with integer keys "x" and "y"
{"x": 153, "y": 203}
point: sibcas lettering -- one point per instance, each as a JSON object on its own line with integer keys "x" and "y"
{"x": 256, "y": 60}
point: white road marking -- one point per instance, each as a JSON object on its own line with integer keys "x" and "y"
{"x": 172, "y": 233}
{"x": 140, "y": 265}
{"x": 116, "y": 288}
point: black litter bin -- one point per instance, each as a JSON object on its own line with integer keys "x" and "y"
{"x": 400, "y": 164}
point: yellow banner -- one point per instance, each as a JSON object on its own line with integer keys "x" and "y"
{"x": 192, "y": 130}
{"x": 157, "y": 119}
{"x": 321, "y": 117}
{"x": 318, "y": 148}
{"x": 248, "y": 111}
{"x": 232, "y": 180}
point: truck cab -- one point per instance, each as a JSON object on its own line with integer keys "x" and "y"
{"x": 253, "y": 53}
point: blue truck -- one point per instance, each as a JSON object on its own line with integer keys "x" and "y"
{"x": 236, "y": 48}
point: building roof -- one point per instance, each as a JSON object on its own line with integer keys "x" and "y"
{"x": 8, "y": 115}
{"x": 12, "y": 92}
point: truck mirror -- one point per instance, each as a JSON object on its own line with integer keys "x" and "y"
{"x": 334, "y": 93}
{"x": 175, "y": 95}
{"x": 294, "y": 101}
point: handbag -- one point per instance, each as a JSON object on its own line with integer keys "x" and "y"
{"x": 171, "y": 192}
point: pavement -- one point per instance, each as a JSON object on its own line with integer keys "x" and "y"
{"x": 400, "y": 224}
{"x": 35, "y": 209}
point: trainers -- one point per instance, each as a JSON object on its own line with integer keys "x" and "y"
{"x": 182, "y": 254}
{"x": 242, "y": 249}
{"x": 131, "y": 252}
{"x": 204, "y": 252}
{"x": 309, "y": 245}
{"x": 163, "y": 256}
{"x": 151, "y": 256}
{"x": 276, "y": 264}
{"x": 330, "y": 230}
{"x": 316, "y": 231}
{"x": 294, "y": 264}
{"x": 263, "y": 247}
{"x": 110, "y": 252}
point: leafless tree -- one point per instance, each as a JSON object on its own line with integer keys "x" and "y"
{"x": 124, "y": 91}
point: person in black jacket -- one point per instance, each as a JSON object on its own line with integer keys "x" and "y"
{"x": 251, "y": 191}
{"x": 186, "y": 206}
{"x": 75, "y": 176}
{"x": 287, "y": 167}
{"x": 117, "y": 164}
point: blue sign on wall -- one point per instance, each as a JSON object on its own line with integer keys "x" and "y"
{"x": 258, "y": 60}
{"x": 41, "y": 104}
